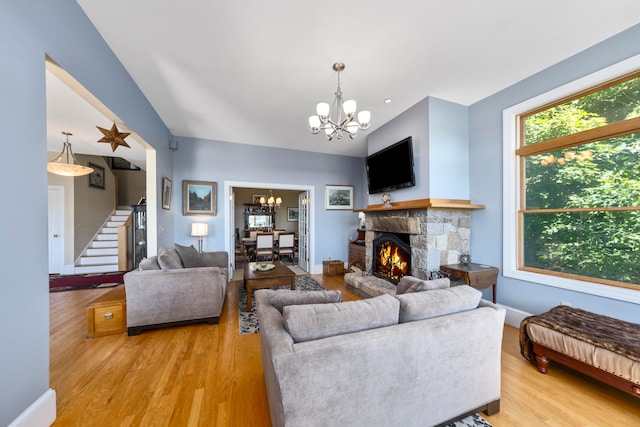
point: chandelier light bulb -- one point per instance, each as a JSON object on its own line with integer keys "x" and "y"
{"x": 323, "y": 111}
{"x": 349, "y": 107}
{"x": 364, "y": 118}
{"x": 352, "y": 128}
{"x": 314, "y": 124}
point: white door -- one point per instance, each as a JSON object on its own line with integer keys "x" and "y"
{"x": 56, "y": 229}
{"x": 303, "y": 230}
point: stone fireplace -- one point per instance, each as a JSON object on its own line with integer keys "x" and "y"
{"x": 436, "y": 236}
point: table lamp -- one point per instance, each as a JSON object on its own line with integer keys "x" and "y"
{"x": 199, "y": 230}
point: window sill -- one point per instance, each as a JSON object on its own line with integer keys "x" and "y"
{"x": 613, "y": 292}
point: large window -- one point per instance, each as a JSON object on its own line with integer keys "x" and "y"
{"x": 577, "y": 185}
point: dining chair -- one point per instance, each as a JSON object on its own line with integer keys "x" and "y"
{"x": 264, "y": 246}
{"x": 286, "y": 245}
{"x": 276, "y": 233}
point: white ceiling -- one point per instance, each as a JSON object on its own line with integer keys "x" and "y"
{"x": 252, "y": 71}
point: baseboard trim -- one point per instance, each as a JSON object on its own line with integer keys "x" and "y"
{"x": 41, "y": 413}
{"x": 514, "y": 316}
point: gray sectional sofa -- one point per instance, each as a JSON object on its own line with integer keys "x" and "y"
{"x": 177, "y": 286}
{"x": 421, "y": 358}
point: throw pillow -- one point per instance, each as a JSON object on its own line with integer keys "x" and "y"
{"x": 439, "y": 302}
{"x": 409, "y": 284}
{"x": 189, "y": 256}
{"x": 316, "y": 321}
{"x": 169, "y": 259}
{"x": 282, "y": 297}
{"x": 150, "y": 263}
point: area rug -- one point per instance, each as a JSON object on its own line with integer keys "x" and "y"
{"x": 249, "y": 320}
{"x": 71, "y": 282}
{"x": 474, "y": 420}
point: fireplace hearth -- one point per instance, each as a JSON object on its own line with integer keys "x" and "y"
{"x": 391, "y": 256}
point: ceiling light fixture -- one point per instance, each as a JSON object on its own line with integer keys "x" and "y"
{"x": 334, "y": 127}
{"x": 271, "y": 201}
{"x": 66, "y": 163}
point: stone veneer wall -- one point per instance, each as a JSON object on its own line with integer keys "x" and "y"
{"x": 437, "y": 236}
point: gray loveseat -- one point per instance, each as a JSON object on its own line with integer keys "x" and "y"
{"x": 416, "y": 359}
{"x": 178, "y": 286}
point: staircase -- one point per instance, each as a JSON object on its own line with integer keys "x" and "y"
{"x": 101, "y": 255}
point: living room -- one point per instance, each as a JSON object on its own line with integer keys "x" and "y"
{"x": 61, "y": 30}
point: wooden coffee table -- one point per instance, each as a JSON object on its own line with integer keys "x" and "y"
{"x": 281, "y": 275}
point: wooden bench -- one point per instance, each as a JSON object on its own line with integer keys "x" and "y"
{"x": 601, "y": 347}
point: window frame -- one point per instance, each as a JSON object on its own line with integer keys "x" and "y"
{"x": 513, "y": 182}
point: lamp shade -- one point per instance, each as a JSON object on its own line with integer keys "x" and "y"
{"x": 364, "y": 117}
{"x": 199, "y": 229}
{"x": 323, "y": 110}
{"x": 314, "y": 124}
{"x": 349, "y": 107}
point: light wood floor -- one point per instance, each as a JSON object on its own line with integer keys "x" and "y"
{"x": 209, "y": 375}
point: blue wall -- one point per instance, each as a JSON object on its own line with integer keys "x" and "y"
{"x": 207, "y": 160}
{"x": 29, "y": 31}
{"x": 486, "y": 150}
{"x": 440, "y": 134}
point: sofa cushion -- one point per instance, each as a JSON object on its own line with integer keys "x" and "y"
{"x": 150, "y": 263}
{"x": 169, "y": 259}
{"x": 316, "y": 321}
{"x": 283, "y": 297}
{"x": 439, "y": 302}
{"x": 189, "y": 256}
{"x": 409, "y": 284}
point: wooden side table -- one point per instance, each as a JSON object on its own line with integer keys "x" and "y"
{"x": 479, "y": 276}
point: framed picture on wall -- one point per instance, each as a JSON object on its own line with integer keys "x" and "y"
{"x": 338, "y": 197}
{"x": 292, "y": 214}
{"x": 167, "y": 191}
{"x": 96, "y": 178}
{"x": 198, "y": 198}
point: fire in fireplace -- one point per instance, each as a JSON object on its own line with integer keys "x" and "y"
{"x": 391, "y": 256}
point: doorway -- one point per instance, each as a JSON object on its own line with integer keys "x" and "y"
{"x": 234, "y": 227}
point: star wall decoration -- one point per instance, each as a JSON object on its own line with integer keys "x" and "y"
{"x": 114, "y": 137}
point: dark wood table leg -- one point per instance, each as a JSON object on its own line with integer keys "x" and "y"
{"x": 248, "y": 283}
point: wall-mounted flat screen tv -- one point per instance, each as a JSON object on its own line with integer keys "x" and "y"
{"x": 391, "y": 168}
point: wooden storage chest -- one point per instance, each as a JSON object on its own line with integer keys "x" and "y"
{"x": 332, "y": 268}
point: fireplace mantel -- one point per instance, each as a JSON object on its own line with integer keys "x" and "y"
{"x": 423, "y": 204}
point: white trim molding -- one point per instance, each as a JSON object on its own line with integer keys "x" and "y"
{"x": 41, "y": 413}
{"x": 511, "y": 189}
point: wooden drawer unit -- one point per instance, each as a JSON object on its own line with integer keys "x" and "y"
{"x": 332, "y": 268}
{"x": 107, "y": 314}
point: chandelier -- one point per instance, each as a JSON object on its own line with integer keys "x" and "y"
{"x": 271, "y": 201}
{"x": 66, "y": 163}
{"x": 333, "y": 127}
